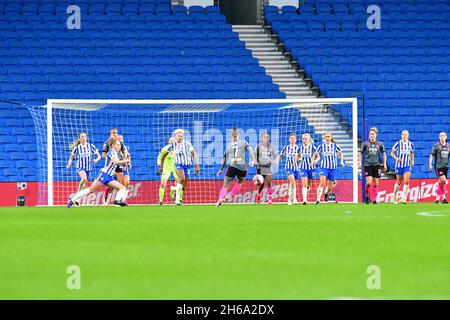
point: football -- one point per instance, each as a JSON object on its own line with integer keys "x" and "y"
{"x": 21, "y": 185}
{"x": 258, "y": 179}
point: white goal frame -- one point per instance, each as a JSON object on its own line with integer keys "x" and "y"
{"x": 51, "y": 102}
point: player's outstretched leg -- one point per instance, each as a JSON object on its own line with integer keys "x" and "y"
{"x": 222, "y": 193}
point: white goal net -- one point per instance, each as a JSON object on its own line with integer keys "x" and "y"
{"x": 147, "y": 125}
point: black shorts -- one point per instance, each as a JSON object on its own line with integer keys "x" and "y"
{"x": 233, "y": 172}
{"x": 442, "y": 172}
{"x": 119, "y": 169}
{"x": 372, "y": 171}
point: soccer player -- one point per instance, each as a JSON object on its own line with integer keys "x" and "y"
{"x": 235, "y": 155}
{"x": 184, "y": 152}
{"x": 168, "y": 169}
{"x": 403, "y": 153}
{"x": 372, "y": 150}
{"x": 308, "y": 160}
{"x": 106, "y": 177}
{"x": 440, "y": 154}
{"x": 114, "y": 133}
{"x": 126, "y": 168}
{"x": 265, "y": 155}
{"x": 83, "y": 151}
{"x": 292, "y": 154}
{"x": 328, "y": 151}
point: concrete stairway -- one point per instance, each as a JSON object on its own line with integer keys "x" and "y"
{"x": 259, "y": 41}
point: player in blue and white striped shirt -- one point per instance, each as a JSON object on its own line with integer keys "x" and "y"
{"x": 328, "y": 151}
{"x": 185, "y": 155}
{"x": 126, "y": 169}
{"x": 83, "y": 152}
{"x": 106, "y": 177}
{"x": 308, "y": 160}
{"x": 403, "y": 153}
{"x": 292, "y": 154}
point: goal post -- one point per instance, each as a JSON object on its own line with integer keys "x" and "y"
{"x": 147, "y": 125}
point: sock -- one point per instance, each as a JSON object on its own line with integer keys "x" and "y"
{"x": 374, "y": 193}
{"x": 368, "y": 190}
{"x": 120, "y": 196}
{"x": 294, "y": 191}
{"x": 443, "y": 189}
{"x": 396, "y": 187}
{"x": 438, "y": 192}
{"x": 222, "y": 193}
{"x": 319, "y": 193}
{"x": 80, "y": 194}
{"x": 178, "y": 190}
{"x": 81, "y": 185}
{"x": 108, "y": 190}
{"x": 181, "y": 194}
{"x": 305, "y": 194}
{"x": 269, "y": 192}
{"x": 405, "y": 191}
{"x": 235, "y": 189}
{"x": 260, "y": 188}
{"x": 161, "y": 194}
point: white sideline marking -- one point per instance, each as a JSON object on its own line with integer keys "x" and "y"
{"x": 348, "y": 211}
{"x": 431, "y": 214}
{"x": 347, "y": 298}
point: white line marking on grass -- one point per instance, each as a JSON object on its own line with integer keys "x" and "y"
{"x": 347, "y": 298}
{"x": 348, "y": 211}
{"x": 431, "y": 214}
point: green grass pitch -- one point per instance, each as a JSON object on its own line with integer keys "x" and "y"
{"x": 234, "y": 252}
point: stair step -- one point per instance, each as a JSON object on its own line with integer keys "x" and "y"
{"x": 290, "y": 84}
{"x": 275, "y": 62}
{"x": 254, "y": 35}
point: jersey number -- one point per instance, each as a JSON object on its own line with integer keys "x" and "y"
{"x": 235, "y": 148}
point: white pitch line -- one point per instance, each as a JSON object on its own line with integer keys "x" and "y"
{"x": 431, "y": 214}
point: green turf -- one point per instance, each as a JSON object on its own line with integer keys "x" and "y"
{"x": 234, "y": 252}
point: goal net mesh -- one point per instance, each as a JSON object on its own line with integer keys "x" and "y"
{"x": 147, "y": 127}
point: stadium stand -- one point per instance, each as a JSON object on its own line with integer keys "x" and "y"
{"x": 134, "y": 49}
{"x": 403, "y": 68}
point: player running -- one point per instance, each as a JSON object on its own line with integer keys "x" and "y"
{"x": 168, "y": 169}
{"x": 440, "y": 154}
{"x": 106, "y": 177}
{"x": 265, "y": 155}
{"x": 184, "y": 152}
{"x": 372, "y": 150}
{"x": 83, "y": 152}
{"x": 403, "y": 153}
{"x": 308, "y": 160}
{"x": 328, "y": 151}
{"x": 113, "y": 133}
{"x": 292, "y": 154}
{"x": 235, "y": 155}
{"x": 126, "y": 168}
